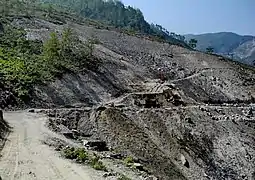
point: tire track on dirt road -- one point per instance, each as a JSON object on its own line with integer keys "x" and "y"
{"x": 25, "y": 157}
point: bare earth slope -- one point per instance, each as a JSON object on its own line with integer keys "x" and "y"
{"x": 127, "y": 61}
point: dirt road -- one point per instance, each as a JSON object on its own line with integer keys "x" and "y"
{"x": 26, "y": 157}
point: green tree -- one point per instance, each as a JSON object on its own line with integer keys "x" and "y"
{"x": 70, "y": 48}
{"x": 210, "y": 50}
{"x": 51, "y": 49}
{"x": 67, "y": 39}
{"x": 193, "y": 43}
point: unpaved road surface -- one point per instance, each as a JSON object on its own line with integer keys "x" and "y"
{"x": 26, "y": 157}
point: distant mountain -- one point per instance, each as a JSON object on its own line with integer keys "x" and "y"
{"x": 240, "y": 48}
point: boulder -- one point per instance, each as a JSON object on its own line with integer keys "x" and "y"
{"x": 151, "y": 178}
{"x": 138, "y": 166}
{"x": 250, "y": 113}
{"x": 97, "y": 145}
{"x": 66, "y": 132}
{"x": 31, "y": 111}
{"x": 116, "y": 156}
{"x": 184, "y": 161}
{"x": 109, "y": 174}
{"x": 75, "y": 132}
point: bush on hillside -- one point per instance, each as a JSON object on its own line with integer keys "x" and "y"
{"x": 25, "y": 63}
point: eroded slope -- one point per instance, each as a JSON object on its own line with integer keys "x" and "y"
{"x": 127, "y": 61}
{"x": 198, "y": 124}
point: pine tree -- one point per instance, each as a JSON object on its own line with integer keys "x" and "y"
{"x": 51, "y": 49}
{"x": 210, "y": 50}
{"x": 193, "y": 43}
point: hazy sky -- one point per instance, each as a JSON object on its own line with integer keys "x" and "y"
{"x": 200, "y": 16}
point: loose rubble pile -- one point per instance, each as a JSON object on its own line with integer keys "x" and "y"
{"x": 175, "y": 141}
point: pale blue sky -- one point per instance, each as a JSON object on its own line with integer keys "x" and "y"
{"x": 199, "y": 16}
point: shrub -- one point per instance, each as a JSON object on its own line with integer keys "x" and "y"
{"x": 97, "y": 164}
{"x": 69, "y": 153}
{"x": 81, "y": 155}
{"x": 129, "y": 161}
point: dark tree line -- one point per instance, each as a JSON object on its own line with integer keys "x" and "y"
{"x": 111, "y": 12}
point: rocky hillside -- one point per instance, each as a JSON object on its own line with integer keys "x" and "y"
{"x": 191, "y": 123}
{"x": 246, "y": 52}
{"x": 181, "y": 114}
{"x": 241, "y": 48}
{"x": 129, "y": 63}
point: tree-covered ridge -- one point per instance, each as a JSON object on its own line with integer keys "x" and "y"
{"x": 115, "y": 13}
{"x": 112, "y": 12}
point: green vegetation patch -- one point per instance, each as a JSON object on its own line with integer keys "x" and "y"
{"x": 97, "y": 164}
{"x": 129, "y": 161}
{"x": 20, "y": 61}
{"x": 81, "y": 156}
{"x": 25, "y": 63}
